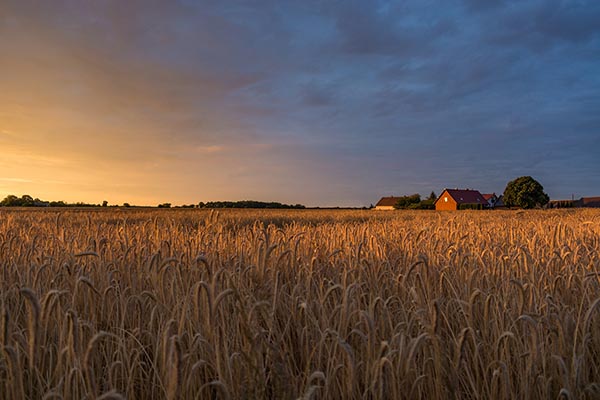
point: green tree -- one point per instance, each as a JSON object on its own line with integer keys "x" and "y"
{"x": 10, "y": 201}
{"x": 27, "y": 200}
{"x": 428, "y": 203}
{"x": 525, "y": 192}
{"x": 405, "y": 202}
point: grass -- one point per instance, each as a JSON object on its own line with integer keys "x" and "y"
{"x": 174, "y": 304}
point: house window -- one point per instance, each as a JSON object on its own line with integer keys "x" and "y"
{"x": 446, "y": 199}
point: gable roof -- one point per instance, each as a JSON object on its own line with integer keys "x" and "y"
{"x": 464, "y": 196}
{"x": 387, "y": 201}
{"x": 487, "y": 196}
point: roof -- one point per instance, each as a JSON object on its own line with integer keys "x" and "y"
{"x": 464, "y": 196}
{"x": 487, "y": 196}
{"x": 590, "y": 201}
{"x": 387, "y": 201}
{"x": 499, "y": 202}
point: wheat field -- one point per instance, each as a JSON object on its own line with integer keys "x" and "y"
{"x": 194, "y": 304}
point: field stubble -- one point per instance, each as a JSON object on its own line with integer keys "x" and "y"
{"x": 299, "y": 304}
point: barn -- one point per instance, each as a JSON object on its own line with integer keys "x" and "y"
{"x": 455, "y": 199}
{"x": 386, "y": 203}
{"x": 589, "y": 202}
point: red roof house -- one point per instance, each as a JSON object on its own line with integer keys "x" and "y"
{"x": 454, "y": 199}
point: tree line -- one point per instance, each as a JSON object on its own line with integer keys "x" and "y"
{"x": 248, "y": 204}
{"x": 28, "y": 201}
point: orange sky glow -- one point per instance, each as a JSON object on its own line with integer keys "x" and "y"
{"x": 78, "y": 123}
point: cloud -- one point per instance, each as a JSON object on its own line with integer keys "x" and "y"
{"x": 212, "y": 149}
{"x": 16, "y": 180}
{"x": 314, "y": 102}
{"x": 543, "y": 25}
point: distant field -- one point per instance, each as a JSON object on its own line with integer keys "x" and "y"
{"x": 151, "y": 304}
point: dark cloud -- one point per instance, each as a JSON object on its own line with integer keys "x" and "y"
{"x": 321, "y": 102}
{"x": 544, "y": 25}
{"x": 484, "y": 5}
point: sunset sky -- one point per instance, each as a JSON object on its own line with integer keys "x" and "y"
{"x": 315, "y": 102}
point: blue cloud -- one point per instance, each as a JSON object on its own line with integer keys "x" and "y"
{"x": 377, "y": 94}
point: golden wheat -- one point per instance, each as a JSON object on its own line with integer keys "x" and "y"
{"x": 144, "y": 304}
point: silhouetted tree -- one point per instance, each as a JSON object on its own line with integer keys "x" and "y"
{"x": 10, "y": 201}
{"x": 27, "y": 201}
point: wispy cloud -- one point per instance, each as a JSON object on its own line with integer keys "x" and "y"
{"x": 212, "y": 149}
{"x": 16, "y": 180}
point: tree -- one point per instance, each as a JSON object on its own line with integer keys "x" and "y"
{"x": 27, "y": 200}
{"x": 10, "y": 201}
{"x": 428, "y": 203}
{"x": 408, "y": 201}
{"x": 105, "y": 203}
{"x": 525, "y": 192}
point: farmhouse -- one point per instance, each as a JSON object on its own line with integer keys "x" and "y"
{"x": 455, "y": 199}
{"x": 490, "y": 198}
{"x": 493, "y": 201}
{"x": 588, "y": 202}
{"x": 591, "y": 202}
{"x": 386, "y": 203}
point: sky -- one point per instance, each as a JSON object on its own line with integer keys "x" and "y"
{"x": 323, "y": 103}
